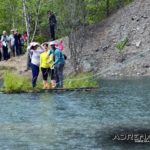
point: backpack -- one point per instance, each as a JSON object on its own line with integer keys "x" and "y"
{"x": 65, "y": 57}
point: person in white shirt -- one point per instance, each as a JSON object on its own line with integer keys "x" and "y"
{"x": 5, "y": 41}
{"x": 34, "y": 52}
{"x": 12, "y": 42}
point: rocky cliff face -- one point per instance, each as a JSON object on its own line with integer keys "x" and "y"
{"x": 99, "y": 53}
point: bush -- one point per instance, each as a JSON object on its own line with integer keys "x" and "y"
{"x": 13, "y": 83}
{"x": 120, "y": 45}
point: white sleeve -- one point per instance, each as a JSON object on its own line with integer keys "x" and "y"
{"x": 2, "y": 38}
{"x": 40, "y": 50}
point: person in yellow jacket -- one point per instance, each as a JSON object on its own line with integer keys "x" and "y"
{"x": 46, "y": 64}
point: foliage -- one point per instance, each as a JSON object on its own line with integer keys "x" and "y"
{"x": 14, "y": 83}
{"x": 70, "y": 14}
{"x": 120, "y": 45}
{"x": 100, "y": 9}
{"x": 80, "y": 80}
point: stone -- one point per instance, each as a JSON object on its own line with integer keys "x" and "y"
{"x": 138, "y": 43}
{"x": 97, "y": 50}
{"x": 146, "y": 65}
{"x": 144, "y": 16}
{"x": 137, "y": 28}
{"x": 86, "y": 66}
{"x": 105, "y": 47}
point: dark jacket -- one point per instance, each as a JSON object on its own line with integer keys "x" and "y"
{"x": 52, "y": 20}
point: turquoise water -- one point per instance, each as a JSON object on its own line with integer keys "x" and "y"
{"x": 76, "y": 120}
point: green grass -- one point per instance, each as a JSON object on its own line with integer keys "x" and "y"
{"x": 121, "y": 45}
{"x": 80, "y": 80}
{"x": 13, "y": 83}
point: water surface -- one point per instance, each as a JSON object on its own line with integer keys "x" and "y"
{"x": 76, "y": 120}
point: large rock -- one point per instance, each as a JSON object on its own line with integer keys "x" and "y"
{"x": 132, "y": 22}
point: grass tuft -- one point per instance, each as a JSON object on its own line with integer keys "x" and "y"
{"x": 80, "y": 80}
{"x": 13, "y": 83}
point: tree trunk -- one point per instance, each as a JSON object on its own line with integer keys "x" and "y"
{"x": 36, "y": 20}
{"x": 107, "y": 8}
{"x": 26, "y": 18}
{"x": 76, "y": 42}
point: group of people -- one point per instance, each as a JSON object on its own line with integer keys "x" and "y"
{"x": 50, "y": 59}
{"x": 11, "y": 45}
{"x": 47, "y": 58}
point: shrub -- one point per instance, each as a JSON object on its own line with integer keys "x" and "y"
{"x": 120, "y": 45}
{"x": 13, "y": 83}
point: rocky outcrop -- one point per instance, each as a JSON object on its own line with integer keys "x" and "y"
{"x": 15, "y": 64}
{"x": 99, "y": 53}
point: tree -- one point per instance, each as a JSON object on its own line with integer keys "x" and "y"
{"x": 107, "y": 7}
{"x": 26, "y": 17}
{"x": 77, "y": 31}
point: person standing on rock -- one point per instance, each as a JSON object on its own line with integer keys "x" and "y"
{"x": 5, "y": 43}
{"x": 20, "y": 43}
{"x": 58, "y": 64}
{"x": 52, "y": 24}
{"x": 35, "y": 50}
{"x": 16, "y": 36}
{"x": 45, "y": 66}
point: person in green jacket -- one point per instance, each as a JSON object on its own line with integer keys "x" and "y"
{"x": 58, "y": 64}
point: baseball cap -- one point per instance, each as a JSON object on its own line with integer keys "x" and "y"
{"x": 52, "y": 43}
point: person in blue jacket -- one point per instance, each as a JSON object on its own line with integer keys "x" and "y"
{"x": 59, "y": 62}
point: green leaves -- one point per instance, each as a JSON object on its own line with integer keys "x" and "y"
{"x": 80, "y": 80}
{"x": 13, "y": 83}
{"x": 70, "y": 14}
{"x": 120, "y": 45}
